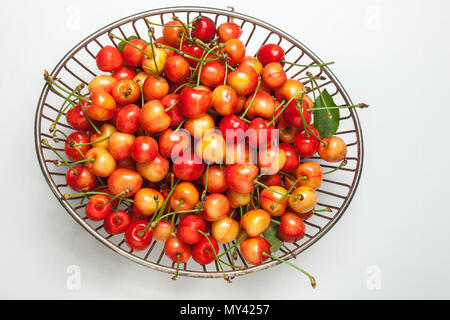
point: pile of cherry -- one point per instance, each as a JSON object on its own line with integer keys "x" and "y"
{"x": 189, "y": 141}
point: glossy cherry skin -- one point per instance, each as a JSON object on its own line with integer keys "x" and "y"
{"x": 260, "y": 104}
{"x": 77, "y": 119}
{"x": 271, "y": 180}
{"x": 144, "y": 149}
{"x": 81, "y": 180}
{"x": 273, "y": 75}
{"x": 252, "y": 250}
{"x": 292, "y": 158}
{"x": 104, "y": 163}
{"x": 224, "y": 100}
{"x": 116, "y": 223}
{"x": 216, "y": 179}
{"x": 98, "y": 207}
{"x": 69, "y": 149}
{"x": 148, "y": 62}
{"x": 270, "y": 198}
{"x": 161, "y": 232}
{"x": 312, "y": 172}
{"x": 172, "y": 144}
{"x": 203, "y": 253}
{"x": 122, "y": 179}
{"x": 212, "y": 74}
{"x": 154, "y": 88}
{"x": 184, "y": 197}
{"x": 102, "y": 140}
{"x": 177, "y": 68}
{"x": 292, "y": 115}
{"x": 103, "y": 82}
{"x": 147, "y": 201}
{"x": 188, "y": 167}
{"x": 292, "y": 228}
{"x": 255, "y": 222}
{"x": 126, "y": 91}
{"x": 155, "y": 170}
{"x": 109, "y": 59}
{"x": 239, "y": 177}
{"x": 225, "y": 230}
{"x": 259, "y": 134}
{"x": 194, "y": 102}
{"x": 124, "y": 73}
{"x": 306, "y": 143}
{"x": 216, "y": 207}
{"x": 168, "y": 101}
{"x": 197, "y": 127}
{"x": 243, "y": 80}
{"x": 254, "y": 63}
{"x": 308, "y": 201}
{"x": 120, "y": 145}
{"x": 235, "y": 50}
{"x": 334, "y": 149}
{"x": 173, "y": 32}
{"x": 286, "y": 132}
{"x": 127, "y": 118}
{"x": 176, "y": 250}
{"x": 204, "y": 29}
{"x": 187, "y": 230}
{"x": 233, "y": 128}
{"x": 290, "y": 88}
{"x": 270, "y": 53}
{"x": 194, "y": 51}
{"x": 132, "y": 56}
{"x": 229, "y": 30}
{"x": 102, "y": 107}
{"x": 135, "y": 236}
{"x": 271, "y": 160}
{"x": 153, "y": 117}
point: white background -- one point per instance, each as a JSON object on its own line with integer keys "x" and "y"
{"x": 394, "y": 55}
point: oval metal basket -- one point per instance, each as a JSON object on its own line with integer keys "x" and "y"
{"x": 78, "y": 65}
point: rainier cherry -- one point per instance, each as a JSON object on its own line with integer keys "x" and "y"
{"x": 109, "y": 59}
{"x": 333, "y": 149}
{"x": 228, "y": 30}
{"x": 255, "y": 222}
{"x": 291, "y": 228}
{"x": 188, "y": 229}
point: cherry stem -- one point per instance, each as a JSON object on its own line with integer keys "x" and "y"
{"x": 173, "y": 105}
{"x": 68, "y": 196}
{"x": 89, "y": 143}
{"x": 111, "y": 35}
{"x": 202, "y": 63}
{"x": 203, "y": 198}
{"x": 219, "y": 262}
{"x": 342, "y": 164}
{"x": 163, "y": 207}
{"x": 71, "y": 142}
{"x": 300, "y": 197}
{"x": 178, "y": 267}
{"x": 307, "y": 127}
{"x": 45, "y": 143}
{"x": 275, "y": 221}
{"x": 70, "y": 164}
{"x": 150, "y": 223}
{"x": 64, "y": 107}
{"x": 49, "y": 79}
{"x": 322, "y": 210}
{"x": 150, "y": 35}
{"x": 274, "y": 205}
{"x": 251, "y": 101}
{"x": 302, "y": 92}
{"x": 308, "y": 65}
{"x": 359, "y": 105}
{"x": 311, "y": 278}
{"x": 115, "y": 197}
{"x": 180, "y": 125}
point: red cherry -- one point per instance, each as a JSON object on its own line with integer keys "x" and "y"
{"x": 204, "y": 29}
{"x": 177, "y": 250}
{"x": 188, "y": 167}
{"x": 77, "y": 119}
{"x": 259, "y": 134}
{"x": 233, "y": 128}
{"x": 132, "y": 56}
{"x": 305, "y": 143}
{"x": 98, "y": 207}
{"x": 144, "y": 149}
{"x": 271, "y": 180}
{"x": 292, "y": 158}
{"x": 212, "y": 74}
{"x": 72, "y": 153}
{"x": 228, "y": 30}
{"x": 291, "y": 228}
{"x": 253, "y": 250}
{"x": 176, "y": 117}
{"x": 176, "y": 68}
{"x": 109, "y": 59}
{"x": 270, "y": 53}
{"x": 203, "y": 253}
{"x": 194, "y": 102}
{"x": 188, "y": 227}
{"x": 240, "y": 176}
{"x": 292, "y": 115}
{"x": 137, "y": 237}
{"x": 116, "y": 223}
{"x": 124, "y": 73}
{"x": 194, "y": 51}
{"x": 80, "y": 179}
{"x": 127, "y": 118}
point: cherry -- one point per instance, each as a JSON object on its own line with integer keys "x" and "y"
{"x": 252, "y": 62}
{"x": 312, "y": 173}
{"x": 270, "y": 53}
{"x": 216, "y": 207}
{"x": 177, "y": 251}
{"x": 155, "y": 88}
{"x": 212, "y": 74}
{"x": 271, "y": 160}
{"x": 194, "y": 102}
{"x": 162, "y": 231}
{"x": 224, "y": 100}
{"x": 252, "y": 250}
{"x": 243, "y": 80}
{"x": 131, "y": 55}
{"x": 127, "y": 118}
{"x": 235, "y": 51}
{"x": 123, "y": 180}
{"x": 273, "y": 75}
{"x": 155, "y": 170}
{"x": 120, "y": 145}
{"x": 289, "y": 89}
{"x": 205, "y": 251}
{"x": 102, "y": 82}
{"x": 233, "y": 128}
{"x": 292, "y": 114}
{"x": 274, "y": 201}
{"x": 98, "y": 207}
{"x": 194, "y": 51}
{"x": 126, "y": 91}
{"x": 184, "y": 197}
{"x": 211, "y": 147}
{"x": 172, "y": 144}
{"x": 169, "y": 52}
{"x": 73, "y": 151}
{"x": 172, "y": 32}
{"x": 109, "y": 59}
{"x": 154, "y": 60}
{"x": 147, "y": 201}
{"x": 80, "y": 179}
{"x": 255, "y": 222}
{"x": 228, "y": 30}
{"x": 203, "y": 28}
{"x": 306, "y": 143}
{"x": 137, "y": 236}
{"x": 238, "y": 199}
{"x": 172, "y": 106}
{"x": 200, "y": 125}
{"x": 124, "y": 73}
{"x": 188, "y": 167}
{"x": 216, "y": 180}
{"x": 240, "y": 176}
{"x": 177, "y": 68}
{"x": 116, "y": 222}
{"x": 332, "y": 149}
{"x": 260, "y": 133}
{"x": 76, "y": 117}
{"x": 286, "y": 132}
{"x": 102, "y": 107}
{"x": 260, "y": 104}
{"x": 103, "y": 163}
{"x": 225, "y": 230}
{"x": 188, "y": 229}
{"x": 291, "y": 228}
{"x": 128, "y": 163}
{"x": 271, "y": 180}
{"x": 304, "y": 199}
{"x": 144, "y": 149}
{"x": 292, "y": 158}
{"x": 153, "y": 117}
{"x": 102, "y": 140}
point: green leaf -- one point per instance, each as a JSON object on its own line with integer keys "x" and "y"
{"x": 326, "y": 121}
{"x": 271, "y": 236}
{"x": 122, "y": 43}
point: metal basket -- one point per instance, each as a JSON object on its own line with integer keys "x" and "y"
{"x": 78, "y": 65}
